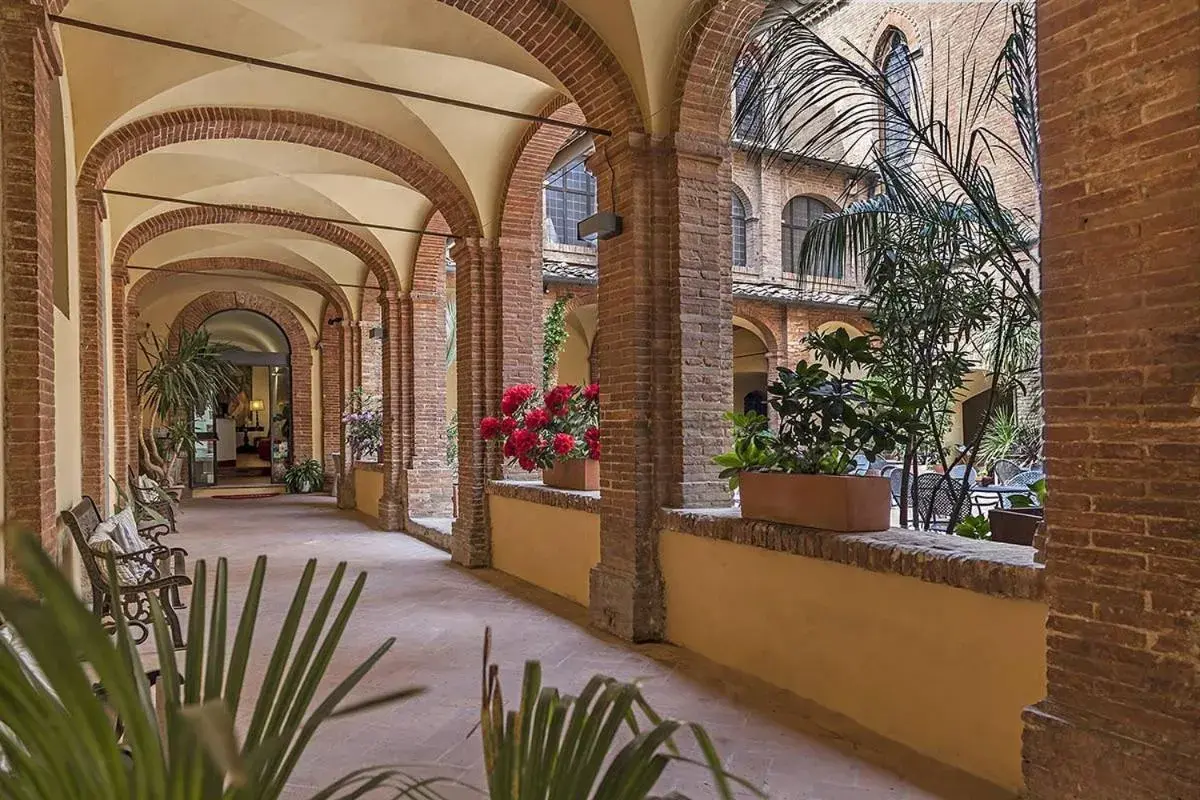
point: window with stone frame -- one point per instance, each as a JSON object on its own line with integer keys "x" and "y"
{"x": 898, "y": 73}
{"x": 798, "y": 216}
{"x": 570, "y": 197}
{"x": 739, "y": 232}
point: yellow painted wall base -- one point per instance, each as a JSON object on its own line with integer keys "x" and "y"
{"x": 944, "y": 671}
{"x": 368, "y": 490}
{"x": 554, "y": 548}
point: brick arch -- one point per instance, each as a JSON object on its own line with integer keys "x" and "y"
{"x": 561, "y": 40}
{"x": 287, "y": 317}
{"x": 147, "y": 230}
{"x": 276, "y": 125}
{"x": 706, "y": 64}
{"x": 522, "y": 190}
{"x": 333, "y": 294}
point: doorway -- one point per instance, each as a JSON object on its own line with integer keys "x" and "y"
{"x": 245, "y": 439}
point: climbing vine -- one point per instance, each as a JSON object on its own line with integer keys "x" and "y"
{"x": 554, "y": 336}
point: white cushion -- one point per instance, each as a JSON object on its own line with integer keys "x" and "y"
{"x": 104, "y": 541}
{"x": 126, "y": 532}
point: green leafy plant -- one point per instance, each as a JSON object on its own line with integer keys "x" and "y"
{"x": 58, "y": 734}
{"x": 825, "y": 418}
{"x": 1035, "y": 499}
{"x": 974, "y": 526}
{"x": 181, "y": 381}
{"x": 452, "y": 440}
{"x": 1011, "y": 436}
{"x": 557, "y": 747}
{"x": 451, "y": 332}
{"x": 304, "y": 476}
{"x": 554, "y": 337}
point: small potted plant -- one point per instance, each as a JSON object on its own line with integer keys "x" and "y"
{"x": 798, "y": 474}
{"x": 556, "y": 432}
{"x": 1019, "y": 523}
{"x": 303, "y": 477}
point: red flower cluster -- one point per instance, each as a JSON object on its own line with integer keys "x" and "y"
{"x": 515, "y": 397}
{"x": 539, "y": 429}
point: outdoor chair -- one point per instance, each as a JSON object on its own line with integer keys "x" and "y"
{"x": 1004, "y": 471}
{"x": 860, "y": 466}
{"x": 140, "y": 573}
{"x": 935, "y": 499}
{"x": 1026, "y": 478}
{"x": 150, "y": 500}
{"x": 957, "y": 473}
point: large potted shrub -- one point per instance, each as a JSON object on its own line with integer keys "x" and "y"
{"x": 797, "y": 474}
{"x": 304, "y": 476}
{"x": 556, "y": 432}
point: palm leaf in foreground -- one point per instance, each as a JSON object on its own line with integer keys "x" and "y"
{"x": 57, "y": 734}
{"x": 558, "y": 747}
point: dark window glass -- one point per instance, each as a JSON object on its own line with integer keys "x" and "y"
{"x": 747, "y": 101}
{"x": 798, "y": 216}
{"x": 897, "y": 71}
{"x": 739, "y": 232}
{"x": 755, "y": 402}
{"x": 570, "y": 197}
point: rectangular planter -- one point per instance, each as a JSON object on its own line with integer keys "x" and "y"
{"x": 576, "y": 474}
{"x": 846, "y": 503}
{"x": 1014, "y": 525}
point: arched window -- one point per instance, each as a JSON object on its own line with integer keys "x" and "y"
{"x": 897, "y": 72}
{"x": 739, "y": 231}
{"x": 798, "y": 216}
{"x": 747, "y": 100}
{"x": 756, "y": 402}
{"x": 570, "y": 197}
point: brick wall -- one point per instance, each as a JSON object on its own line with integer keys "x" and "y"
{"x": 1120, "y": 84}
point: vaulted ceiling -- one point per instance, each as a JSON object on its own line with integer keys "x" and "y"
{"x": 425, "y": 45}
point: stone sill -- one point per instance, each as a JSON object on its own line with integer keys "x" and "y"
{"x": 369, "y": 466}
{"x": 538, "y": 492}
{"x": 1003, "y": 570}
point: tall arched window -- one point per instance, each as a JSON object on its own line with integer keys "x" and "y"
{"x": 747, "y": 100}
{"x": 798, "y": 216}
{"x": 897, "y": 71}
{"x": 570, "y": 197}
{"x": 739, "y": 231}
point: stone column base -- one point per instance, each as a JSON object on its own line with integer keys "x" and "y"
{"x": 470, "y": 546}
{"x": 622, "y": 605}
{"x": 1066, "y": 760}
{"x": 392, "y": 515}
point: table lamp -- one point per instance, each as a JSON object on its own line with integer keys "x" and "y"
{"x": 257, "y": 406}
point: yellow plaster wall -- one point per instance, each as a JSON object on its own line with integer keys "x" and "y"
{"x": 942, "y": 670}
{"x": 554, "y": 548}
{"x": 368, "y": 489}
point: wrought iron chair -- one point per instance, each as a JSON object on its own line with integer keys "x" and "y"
{"x": 139, "y": 574}
{"x": 1004, "y": 470}
{"x": 1026, "y": 478}
{"x": 935, "y": 499}
{"x": 957, "y": 473}
{"x": 153, "y": 501}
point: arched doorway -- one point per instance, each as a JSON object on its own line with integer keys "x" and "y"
{"x": 245, "y": 438}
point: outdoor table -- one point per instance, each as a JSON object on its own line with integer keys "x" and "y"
{"x": 1000, "y": 491}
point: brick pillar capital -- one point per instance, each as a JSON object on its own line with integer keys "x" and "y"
{"x": 25, "y": 17}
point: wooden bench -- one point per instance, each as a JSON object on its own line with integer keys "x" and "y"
{"x": 150, "y": 566}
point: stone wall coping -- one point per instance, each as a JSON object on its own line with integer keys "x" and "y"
{"x": 1002, "y": 570}
{"x": 369, "y": 466}
{"x": 538, "y": 492}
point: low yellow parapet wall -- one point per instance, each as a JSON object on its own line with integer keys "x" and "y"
{"x": 548, "y": 537}
{"x": 368, "y": 488}
{"x": 897, "y": 644}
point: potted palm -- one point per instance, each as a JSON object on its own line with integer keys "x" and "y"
{"x": 303, "y": 477}
{"x": 556, "y": 432}
{"x": 798, "y": 474}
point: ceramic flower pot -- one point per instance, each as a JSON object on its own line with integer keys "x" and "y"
{"x": 844, "y": 503}
{"x": 575, "y": 474}
{"x": 1014, "y": 525}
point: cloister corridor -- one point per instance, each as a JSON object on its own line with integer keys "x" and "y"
{"x": 437, "y": 612}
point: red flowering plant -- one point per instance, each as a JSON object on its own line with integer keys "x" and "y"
{"x": 539, "y": 429}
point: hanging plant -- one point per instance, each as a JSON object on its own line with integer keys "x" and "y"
{"x": 554, "y": 337}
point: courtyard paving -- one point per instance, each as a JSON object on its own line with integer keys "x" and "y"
{"x": 437, "y": 613}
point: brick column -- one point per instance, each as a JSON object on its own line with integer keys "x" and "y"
{"x": 521, "y": 304}
{"x": 356, "y": 356}
{"x": 1121, "y": 291}
{"x": 428, "y": 479}
{"x": 27, "y": 65}
{"x": 347, "y": 498}
{"x": 666, "y": 356}
{"x": 123, "y": 400}
{"x": 477, "y": 294}
{"x": 331, "y": 394}
{"x": 133, "y": 403}
{"x": 392, "y": 506}
{"x": 371, "y": 357}
{"x": 93, "y": 339}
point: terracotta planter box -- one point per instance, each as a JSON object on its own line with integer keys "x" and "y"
{"x": 1014, "y": 525}
{"x": 846, "y": 503}
{"x": 577, "y": 474}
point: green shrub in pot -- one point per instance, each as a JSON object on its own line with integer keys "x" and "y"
{"x": 304, "y": 476}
